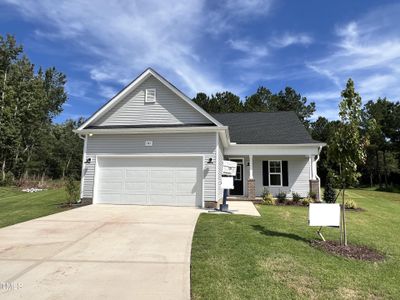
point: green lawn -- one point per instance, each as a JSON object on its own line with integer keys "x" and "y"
{"x": 17, "y": 206}
{"x": 242, "y": 257}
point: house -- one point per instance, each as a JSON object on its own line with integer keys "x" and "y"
{"x": 152, "y": 145}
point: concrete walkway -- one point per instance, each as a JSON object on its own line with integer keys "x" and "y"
{"x": 243, "y": 208}
{"x": 99, "y": 252}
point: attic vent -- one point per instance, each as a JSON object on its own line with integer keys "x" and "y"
{"x": 150, "y": 96}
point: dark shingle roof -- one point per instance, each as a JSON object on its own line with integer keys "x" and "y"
{"x": 265, "y": 128}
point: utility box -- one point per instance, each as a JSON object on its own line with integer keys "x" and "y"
{"x": 229, "y": 168}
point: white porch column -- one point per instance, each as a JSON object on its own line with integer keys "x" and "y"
{"x": 251, "y": 167}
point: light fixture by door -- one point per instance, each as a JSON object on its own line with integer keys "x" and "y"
{"x": 210, "y": 160}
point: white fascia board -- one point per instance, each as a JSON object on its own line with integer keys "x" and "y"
{"x": 136, "y": 83}
{"x": 150, "y": 130}
{"x": 273, "y": 149}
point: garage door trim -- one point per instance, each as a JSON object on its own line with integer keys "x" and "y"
{"x": 96, "y": 172}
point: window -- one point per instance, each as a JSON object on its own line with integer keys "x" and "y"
{"x": 150, "y": 96}
{"x": 275, "y": 173}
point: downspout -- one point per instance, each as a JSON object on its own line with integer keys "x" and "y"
{"x": 316, "y": 173}
{"x": 84, "y": 138}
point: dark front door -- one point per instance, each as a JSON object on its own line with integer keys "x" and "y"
{"x": 238, "y": 180}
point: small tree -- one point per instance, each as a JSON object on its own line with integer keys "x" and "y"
{"x": 329, "y": 192}
{"x": 347, "y": 148}
{"x": 72, "y": 189}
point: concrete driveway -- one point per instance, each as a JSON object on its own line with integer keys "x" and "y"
{"x": 99, "y": 252}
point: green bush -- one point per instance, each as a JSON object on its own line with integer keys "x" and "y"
{"x": 8, "y": 179}
{"x": 296, "y": 197}
{"x": 313, "y": 196}
{"x": 350, "y": 204}
{"x": 306, "y": 201}
{"x": 72, "y": 189}
{"x": 268, "y": 201}
{"x": 281, "y": 197}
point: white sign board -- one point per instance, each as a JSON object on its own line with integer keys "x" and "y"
{"x": 229, "y": 168}
{"x": 227, "y": 183}
{"x": 324, "y": 214}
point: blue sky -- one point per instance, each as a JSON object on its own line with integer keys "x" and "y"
{"x": 237, "y": 45}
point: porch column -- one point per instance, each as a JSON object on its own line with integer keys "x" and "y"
{"x": 251, "y": 167}
{"x": 251, "y": 184}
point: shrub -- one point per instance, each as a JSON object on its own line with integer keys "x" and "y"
{"x": 296, "y": 197}
{"x": 313, "y": 196}
{"x": 329, "y": 192}
{"x": 350, "y": 204}
{"x": 268, "y": 201}
{"x": 265, "y": 193}
{"x": 281, "y": 197}
{"x": 267, "y": 198}
{"x": 8, "y": 179}
{"x": 72, "y": 189}
{"x": 306, "y": 201}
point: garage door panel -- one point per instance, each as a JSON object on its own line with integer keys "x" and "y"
{"x": 113, "y": 186}
{"x": 112, "y": 173}
{"x": 162, "y": 188}
{"x": 162, "y": 199}
{"x": 185, "y": 188}
{"x": 136, "y": 175}
{"x": 149, "y": 180}
{"x": 162, "y": 175}
{"x": 190, "y": 174}
{"x": 138, "y": 187}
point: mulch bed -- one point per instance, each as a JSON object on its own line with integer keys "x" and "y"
{"x": 349, "y": 251}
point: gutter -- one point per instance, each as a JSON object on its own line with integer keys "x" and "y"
{"x": 316, "y": 172}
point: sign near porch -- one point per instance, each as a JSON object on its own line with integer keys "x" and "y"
{"x": 324, "y": 214}
{"x": 227, "y": 183}
{"x": 229, "y": 168}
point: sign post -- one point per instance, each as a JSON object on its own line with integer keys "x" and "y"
{"x": 228, "y": 172}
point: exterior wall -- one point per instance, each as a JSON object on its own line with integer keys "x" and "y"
{"x": 299, "y": 175}
{"x": 171, "y": 143}
{"x": 298, "y": 169}
{"x": 168, "y": 108}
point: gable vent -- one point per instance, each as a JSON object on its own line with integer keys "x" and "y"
{"x": 150, "y": 96}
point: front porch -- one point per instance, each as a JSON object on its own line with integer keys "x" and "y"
{"x": 276, "y": 173}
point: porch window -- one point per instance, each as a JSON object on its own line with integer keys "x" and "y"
{"x": 275, "y": 172}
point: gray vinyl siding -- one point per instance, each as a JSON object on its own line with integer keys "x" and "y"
{"x": 299, "y": 175}
{"x": 298, "y": 169}
{"x": 168, "y": 108}
{"x": 171, "y": 143}
{"x": 220, "y": 164}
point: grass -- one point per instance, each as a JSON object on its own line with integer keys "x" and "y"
{"x": 243, "y": 257}
{"x": 17, "y": 206}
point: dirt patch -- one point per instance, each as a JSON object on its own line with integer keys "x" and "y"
{"x": 350, "y": 251}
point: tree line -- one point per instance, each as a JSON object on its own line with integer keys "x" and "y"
{"x": 378, "y": 126}
{"x": 31, "y": 144}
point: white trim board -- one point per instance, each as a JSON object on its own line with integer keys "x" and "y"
{"x": 135, "y": 83}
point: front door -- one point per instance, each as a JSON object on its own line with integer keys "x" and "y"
{"x": 238, "y": 179}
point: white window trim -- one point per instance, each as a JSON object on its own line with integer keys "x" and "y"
{"x": 155, "y": 96}
{"x": 274, "y": 173}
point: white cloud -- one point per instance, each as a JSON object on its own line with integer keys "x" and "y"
{"x": 127, "y": 37}
{"x": 248, "y": 47}
{"x": 367, "y": 50}
{"x": 289, "y": 39}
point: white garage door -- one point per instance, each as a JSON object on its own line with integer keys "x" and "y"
{"x": 149, "y": 181}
